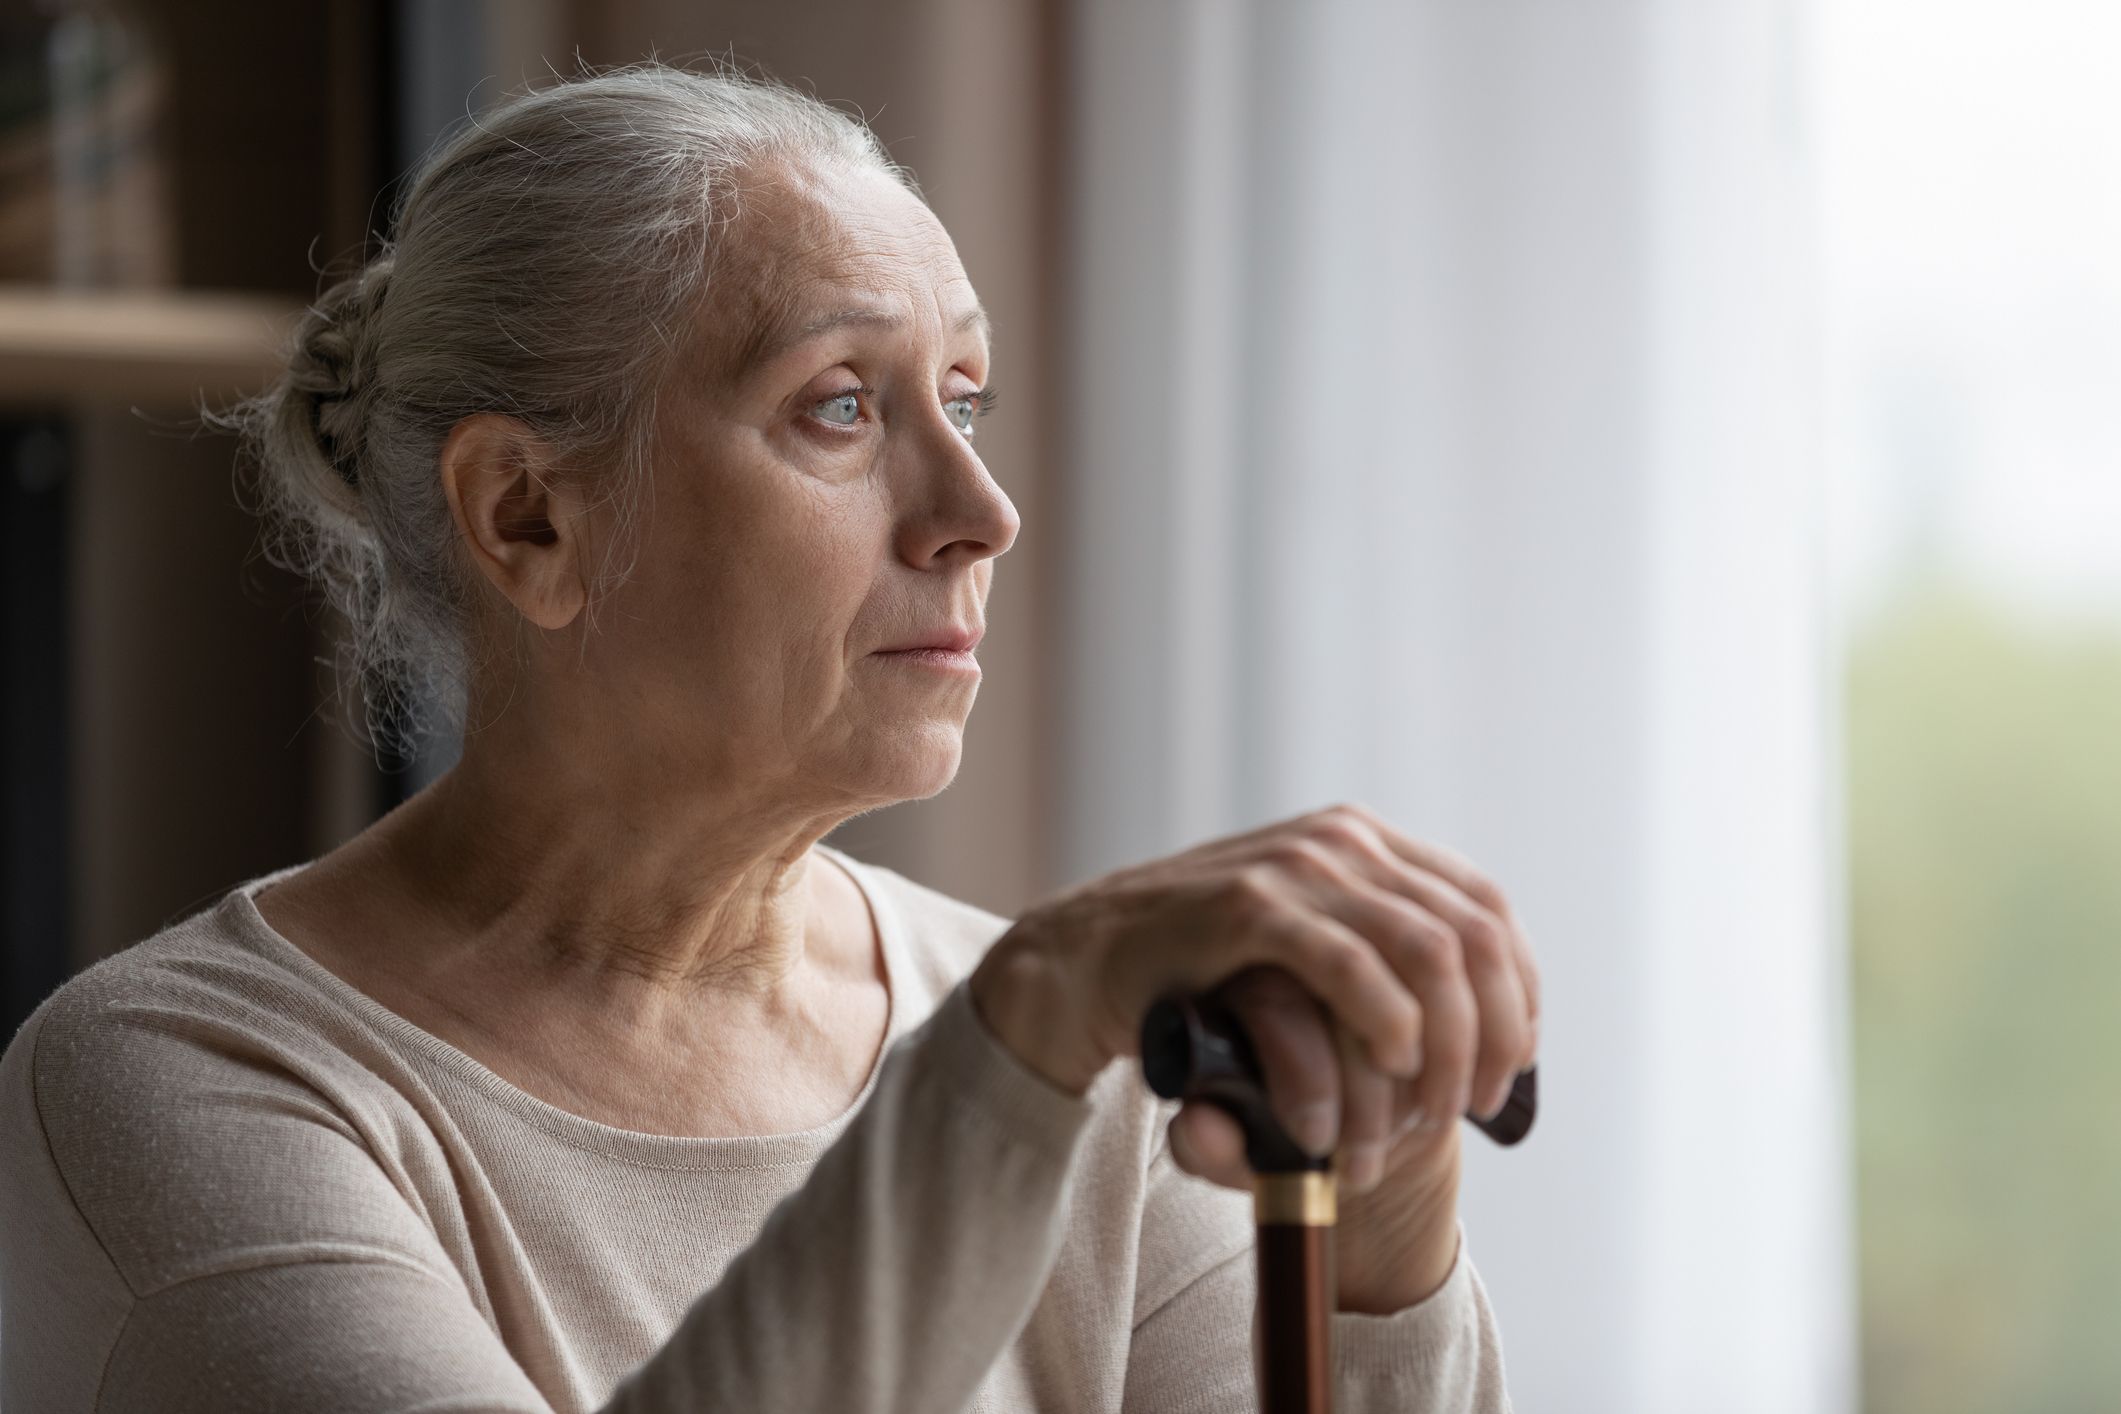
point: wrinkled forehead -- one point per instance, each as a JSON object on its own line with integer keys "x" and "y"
{"x": 806, "y": 242}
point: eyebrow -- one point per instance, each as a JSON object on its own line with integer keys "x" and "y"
{"x": 778, "y": 337}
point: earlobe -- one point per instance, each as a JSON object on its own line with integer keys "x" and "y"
{"x": 518, "y": 520}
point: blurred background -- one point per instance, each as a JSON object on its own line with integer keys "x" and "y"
{"x": 1669, "y": 450}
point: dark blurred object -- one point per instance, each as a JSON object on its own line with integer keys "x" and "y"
{"x": 34, "y": 922}
{"x": 84, "y": 180}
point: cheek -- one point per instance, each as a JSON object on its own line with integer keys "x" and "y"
{"x": 832, "y": 566}
{"x": 759, "y": 562}
{"x": 796, "y": 574}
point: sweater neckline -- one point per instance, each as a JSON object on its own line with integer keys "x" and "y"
{"x": 795, "y": 1147}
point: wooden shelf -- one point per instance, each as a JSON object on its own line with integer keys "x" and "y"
{"x": 118, "y": 348}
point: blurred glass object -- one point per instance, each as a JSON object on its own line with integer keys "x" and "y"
{"x": 1973, "y": 249}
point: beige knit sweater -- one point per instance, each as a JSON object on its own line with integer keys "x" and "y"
{"x": 231, "y": 1181}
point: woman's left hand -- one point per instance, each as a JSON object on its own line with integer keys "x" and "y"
{"x": 1396, "y": 1141}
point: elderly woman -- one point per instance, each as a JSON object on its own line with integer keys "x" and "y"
{"x": 590, "y": 1077}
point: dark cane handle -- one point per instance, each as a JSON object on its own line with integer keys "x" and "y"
{"x": 1195, "y": 1048}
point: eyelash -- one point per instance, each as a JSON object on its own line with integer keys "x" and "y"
{"x": 984, "y": 397}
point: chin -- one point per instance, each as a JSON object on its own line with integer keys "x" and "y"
{"x": 921, "y": 761}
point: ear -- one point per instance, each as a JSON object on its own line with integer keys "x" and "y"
{"x": 523, "y": 529}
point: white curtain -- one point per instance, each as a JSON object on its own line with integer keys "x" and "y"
{"x": 1442, "y": 417}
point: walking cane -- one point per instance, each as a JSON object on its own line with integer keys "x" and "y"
{"x": 1194, "y": 1048}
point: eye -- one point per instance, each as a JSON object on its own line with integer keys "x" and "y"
{"x": 962, "y": 410}
{"x": 841, "y": 409}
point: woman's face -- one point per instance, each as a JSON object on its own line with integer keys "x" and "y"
{"x": 816, "y": 499}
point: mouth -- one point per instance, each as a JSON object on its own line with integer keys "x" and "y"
{"x": 947, "y": 660}
{"x": 949, "y": 639}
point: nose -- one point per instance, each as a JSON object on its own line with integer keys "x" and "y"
{"x": 960, "y": 515}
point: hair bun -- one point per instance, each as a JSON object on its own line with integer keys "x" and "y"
{"x": 333, "y": 360}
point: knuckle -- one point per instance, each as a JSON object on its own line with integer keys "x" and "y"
{"x": 1430, "y": 943}
{"x": 1454, "y": 1032}
{"x": 1498, "y": 1051}
{"x": 1302, "y": 856}
{"x": 1356, "y": 811}
{"x": 1249, "y": 892}
{"x": 1337, "y": 828}
{"x": 1484, "y": 890}
{"x": 1462, "y": 1008}
{"x": 1483, "y": 933}
{"x": 1342, "y": 963}
{"x": 1370, "y": 1093}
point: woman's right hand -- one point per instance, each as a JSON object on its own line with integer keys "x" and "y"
{"x": 1415, "y": 991}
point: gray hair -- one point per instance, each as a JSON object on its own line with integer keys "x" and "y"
{"x": 546, "y": 259}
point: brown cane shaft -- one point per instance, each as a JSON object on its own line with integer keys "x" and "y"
{"x": 1295, "y": 1213}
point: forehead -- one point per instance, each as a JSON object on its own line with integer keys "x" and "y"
{"x": 809, "y": 243}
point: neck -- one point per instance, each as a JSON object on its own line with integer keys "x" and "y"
{"x": 618, "y": 887}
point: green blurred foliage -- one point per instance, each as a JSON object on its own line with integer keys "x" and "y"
{"x": 1984, "y": 769}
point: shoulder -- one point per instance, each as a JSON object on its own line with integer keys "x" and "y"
{"x": 178, "y": 1092}
{"x": 138, "y": 1004}
{"x": 199, "y": 994}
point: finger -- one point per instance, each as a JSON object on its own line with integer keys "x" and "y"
{"x": 1207, "y": 1143}
{"x": 1294, "y": 1041}
{"x": 1367, "y": 1103}
{"x": 1428, "y": 955}
{"x": 1528, "y": 975}
{"x": 1437, "y": 859}
{"x": 1434, "y": 875}
{"x": 1505, "y": 1029}
{"x": 1344, "y": 971}
{"x": 1261, "y": 918}
{"x": 1492, "y": 950}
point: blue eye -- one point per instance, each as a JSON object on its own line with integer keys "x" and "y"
{"x": 842, "y": 409}
{"x": 962, "y": 410}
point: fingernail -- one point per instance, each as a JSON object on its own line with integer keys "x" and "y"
{"x": 1366, "y": 1164}
{"x": 1315, "y": 1126}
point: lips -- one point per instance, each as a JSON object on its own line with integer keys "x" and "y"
{"x": 949, "y": 640}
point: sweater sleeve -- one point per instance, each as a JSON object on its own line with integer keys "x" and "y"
{"x": 1194, "y": 1336}
{"x": 265, "y": 1261}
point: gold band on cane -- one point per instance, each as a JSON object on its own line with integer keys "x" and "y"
{"x": 1296, "y": 1199}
